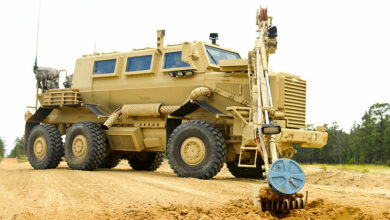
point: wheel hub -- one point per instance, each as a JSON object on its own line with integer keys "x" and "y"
{"x": 79, "y": 146}
{"x": 40, "y": 147}
{"x": 193, "y": 151}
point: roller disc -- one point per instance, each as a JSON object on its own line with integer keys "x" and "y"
{"x": 286, "y": 177}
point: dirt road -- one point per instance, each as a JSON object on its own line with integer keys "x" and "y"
{"x": 124, "y": 193}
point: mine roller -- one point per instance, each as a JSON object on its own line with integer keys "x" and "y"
{"x": 198, "y": 104}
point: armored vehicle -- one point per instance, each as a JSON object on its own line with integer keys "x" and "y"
{"x": 200, "y": 104}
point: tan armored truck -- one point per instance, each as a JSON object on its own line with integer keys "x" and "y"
{"x": 199, "y": 104}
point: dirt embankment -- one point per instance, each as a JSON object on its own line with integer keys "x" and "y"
{"x": 123, "y": 193}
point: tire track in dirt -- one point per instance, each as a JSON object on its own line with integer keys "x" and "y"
{"x": 125, "y": 193}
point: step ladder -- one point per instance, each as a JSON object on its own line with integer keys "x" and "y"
{"x": 248, "y": 149}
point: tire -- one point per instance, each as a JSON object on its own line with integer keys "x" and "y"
{"x": 85, "y": 146}
{"x": 244, "y": 172}
{"x": 191, "y": 137}
{"x": 44, "y": 147}
{"x": 111, "y": 161}
{"x": 148, "y": 161}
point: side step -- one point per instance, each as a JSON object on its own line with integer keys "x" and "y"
{"x": 248, "y": 149}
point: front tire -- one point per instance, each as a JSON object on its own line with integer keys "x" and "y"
{"x": 85, "y": 146}
{"x": 196, "y": 149}
{"x": 245, "y": 172}
{"x": 44, "y": 147}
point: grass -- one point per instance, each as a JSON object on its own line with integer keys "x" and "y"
{"x": 360, "y": 168}
{"x": 22, "y": 158}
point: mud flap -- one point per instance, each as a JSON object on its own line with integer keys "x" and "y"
{"x": 33, "y": 121}
{"x": 96, "y": 110}
{"x": 186, "y": 109}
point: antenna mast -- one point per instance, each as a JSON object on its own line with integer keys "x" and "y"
{"x": 36, "y": 44}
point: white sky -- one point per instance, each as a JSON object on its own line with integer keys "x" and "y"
{"x": 341, "y": 48}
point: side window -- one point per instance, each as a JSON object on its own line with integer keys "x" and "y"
{"x": 104, "y": 66}
{"x": 216, "y": 54}
{"x": 138, "y": 63}
{"x": 173, "y": 60}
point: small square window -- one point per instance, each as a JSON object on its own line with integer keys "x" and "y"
{"x": 141, "y": 63}
{"x": 173, "y": 60}
{"x": 104, "y": 66}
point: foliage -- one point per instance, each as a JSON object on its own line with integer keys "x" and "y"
{"x": 2, "y": 148}
{"x": 366, "y": 143}
{"x": 17, "y": 151}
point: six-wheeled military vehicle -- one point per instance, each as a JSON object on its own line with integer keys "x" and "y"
{"x": 199, "y": 104}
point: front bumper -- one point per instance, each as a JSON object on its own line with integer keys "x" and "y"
{"x": 306, "y": 139}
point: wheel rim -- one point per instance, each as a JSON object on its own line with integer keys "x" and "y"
{"x": 40, "y": 147}
{"x": 79, "y": 146}
{"x": 193, "y": 151}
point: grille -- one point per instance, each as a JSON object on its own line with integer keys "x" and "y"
{"x": 61, "y": 97}
{"x": 236, "y": 89}
{"x": 233, "y": 88}
{"x": 295, "y": 102}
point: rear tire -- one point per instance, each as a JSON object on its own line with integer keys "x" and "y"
{"x": 196, "y": 149}
{"x": 244, "y": 172}
{"x": 85, "y": 146}
{"x": 44, "y": 147}
{"x": 111, "y": 161}
{"x": 148, "y": 161}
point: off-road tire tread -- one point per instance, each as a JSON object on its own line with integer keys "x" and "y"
{"x": 217, "y": 162}
{"x": 245, "y": 172}
{"x": 152, "y": 163}
{"x": 98, "y": 147}
{"x": 55, "y": 148}
{"x": 110, "y": 162}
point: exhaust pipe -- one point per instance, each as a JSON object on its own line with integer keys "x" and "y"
{"x": 112, "y": 119}
{"x": 142, "y": 110}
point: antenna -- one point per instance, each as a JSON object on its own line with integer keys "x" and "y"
{"x": 36, "y": 44}
{"x": 94, "y": 47}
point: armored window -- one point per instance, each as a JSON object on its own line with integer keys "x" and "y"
{"x": 173, "y": 60}
{"x": 138, "y": 63}
{"x": 104, "y": 66}
{"x": 216, "y": 54}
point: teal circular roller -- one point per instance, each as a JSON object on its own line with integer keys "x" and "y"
{"x": 285, "y": 177}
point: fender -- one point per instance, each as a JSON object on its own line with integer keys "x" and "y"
{"x": 186, "y": 109}
{"x": 33, "y": 121}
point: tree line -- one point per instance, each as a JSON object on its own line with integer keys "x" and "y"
{"x": 366, "y": 143}
{"x": 2, "y": 148}
{"x": 17, "y": 151}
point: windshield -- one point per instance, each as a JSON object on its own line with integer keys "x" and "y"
{"x": 216, "y": 54}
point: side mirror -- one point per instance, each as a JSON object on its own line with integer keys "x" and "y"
{"x": 272, "y": 32}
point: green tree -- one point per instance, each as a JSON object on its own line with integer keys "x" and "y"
{"x": 386, "y": 144}
{"x": 17, "y": 151}
{"x": 2, "y": 148}
{"x": 368, "y": 142}
{"x": 381, "y": 114}
{"x": 369, "y": 139}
